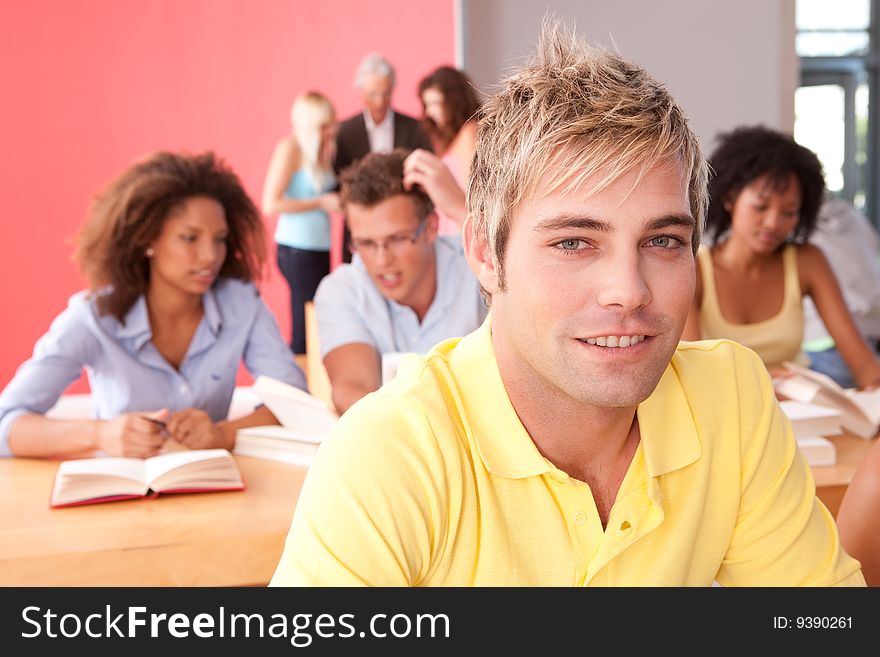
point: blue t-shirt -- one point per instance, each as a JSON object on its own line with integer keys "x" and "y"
{"x": 304, "y": 230}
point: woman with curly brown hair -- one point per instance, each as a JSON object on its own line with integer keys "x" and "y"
{"x": 764, "y": 197}
{"x": 170, "y": 250}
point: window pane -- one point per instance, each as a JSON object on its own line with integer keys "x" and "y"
{"x": 831, "y": 44}
{"x": 819, "y": 125}
{"x": 837, "y": 15}
{"x": 860, "y": 196}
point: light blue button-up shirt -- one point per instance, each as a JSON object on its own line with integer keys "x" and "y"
{"x": 128, "y": 374}
{"x": 351, "y": 309}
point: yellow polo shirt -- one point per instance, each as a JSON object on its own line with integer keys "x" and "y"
{"x": 434, "y": 481}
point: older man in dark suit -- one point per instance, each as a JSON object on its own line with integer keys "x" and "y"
{"x": 378, "y": 128}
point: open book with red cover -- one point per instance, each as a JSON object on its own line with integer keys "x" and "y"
{"x": 107, "y": 479}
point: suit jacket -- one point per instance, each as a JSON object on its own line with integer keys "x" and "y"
{"x": 352, "y": 142}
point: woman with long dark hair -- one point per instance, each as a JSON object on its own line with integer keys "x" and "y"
{"x": 450, "y": 104}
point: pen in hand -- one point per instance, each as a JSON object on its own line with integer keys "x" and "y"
{"x": 159, "y": 423}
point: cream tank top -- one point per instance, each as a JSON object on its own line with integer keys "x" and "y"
{"x": 776, "y": 339}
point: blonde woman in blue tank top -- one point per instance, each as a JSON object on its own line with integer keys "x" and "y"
{"x": 765, "y": 195}
{"x": 298, "y": 189}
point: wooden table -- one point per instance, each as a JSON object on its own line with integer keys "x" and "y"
{"x": 198, "y": 539}
{"x": 832, "y": 480}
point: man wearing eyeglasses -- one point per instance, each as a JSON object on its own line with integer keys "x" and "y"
{"x": 408, "y": 289}
{"x": 379, "y": 128}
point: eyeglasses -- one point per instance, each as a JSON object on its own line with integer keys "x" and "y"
{"x": 394, "y": 244}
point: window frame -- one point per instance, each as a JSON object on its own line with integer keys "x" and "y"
{"x": 849, "y": 71}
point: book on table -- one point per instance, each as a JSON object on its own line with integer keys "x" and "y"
{"x": 860, "y": 410}
{"x": 107, "y": 479}
{"x": 818, "y": 450}
{"x": 305, "y": 422}
{"x": 811, "y": 424}
{"x": 812, "y": 419}
{"x": 276, "y": 443}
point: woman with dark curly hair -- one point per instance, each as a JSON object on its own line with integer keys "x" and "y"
{"x": 764, "y": 197}
{"x": 170, "y": 250}
{"x": 450, "y": 104}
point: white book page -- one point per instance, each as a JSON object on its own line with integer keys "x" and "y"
{"x": 823, "y": 379}
{"x": 157, "y": 466}
{"x": 796, "y": 410}
{"x": 868, "y": 401}
{"x": 295, "y": 409}
{"x": 279, "y": 433}
{"x": 275, "y": 445}
{"x": 818, "y": 451}
{"x": 114, "y": 466}
{"x": 269, "y": 454}
{"x": 266, "y": 385}
{"x": 797, "y": 389}
{"x": 94, "y": 478}
{"x": 812, "y": 419}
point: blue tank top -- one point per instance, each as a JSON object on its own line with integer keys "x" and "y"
{"x": 303, "y": 230}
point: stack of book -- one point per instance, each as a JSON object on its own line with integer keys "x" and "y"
{"x": 305, "y": 422}
{"x": 811, "y": 424}
{"x": 859, "y": 409}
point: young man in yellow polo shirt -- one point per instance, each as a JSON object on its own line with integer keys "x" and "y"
{"x": 571, "y": 440}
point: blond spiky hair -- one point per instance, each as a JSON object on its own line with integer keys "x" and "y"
{"x": 573, "y": 112}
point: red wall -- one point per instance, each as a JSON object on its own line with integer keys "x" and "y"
{"x": 88, "y": 86}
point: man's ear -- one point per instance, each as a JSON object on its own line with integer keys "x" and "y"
{"x": 479, "y": 255}
{"x": 432, "y": 226}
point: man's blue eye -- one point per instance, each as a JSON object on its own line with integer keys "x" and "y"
{"x": 569, "y": 245}
{"x": 666, "y": 242}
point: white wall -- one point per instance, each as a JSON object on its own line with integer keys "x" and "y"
{"x": 728, "y": 63}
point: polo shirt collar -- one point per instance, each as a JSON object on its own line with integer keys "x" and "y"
{"x": 669, "y": 437}
{"x": 668, "y": 434}
{"x": 504, "y": 445}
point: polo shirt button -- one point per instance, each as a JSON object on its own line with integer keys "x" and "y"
{"x": 625, "y": 526}
{"x": 184, "y": 388}
{"x": 579, "y": 517}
